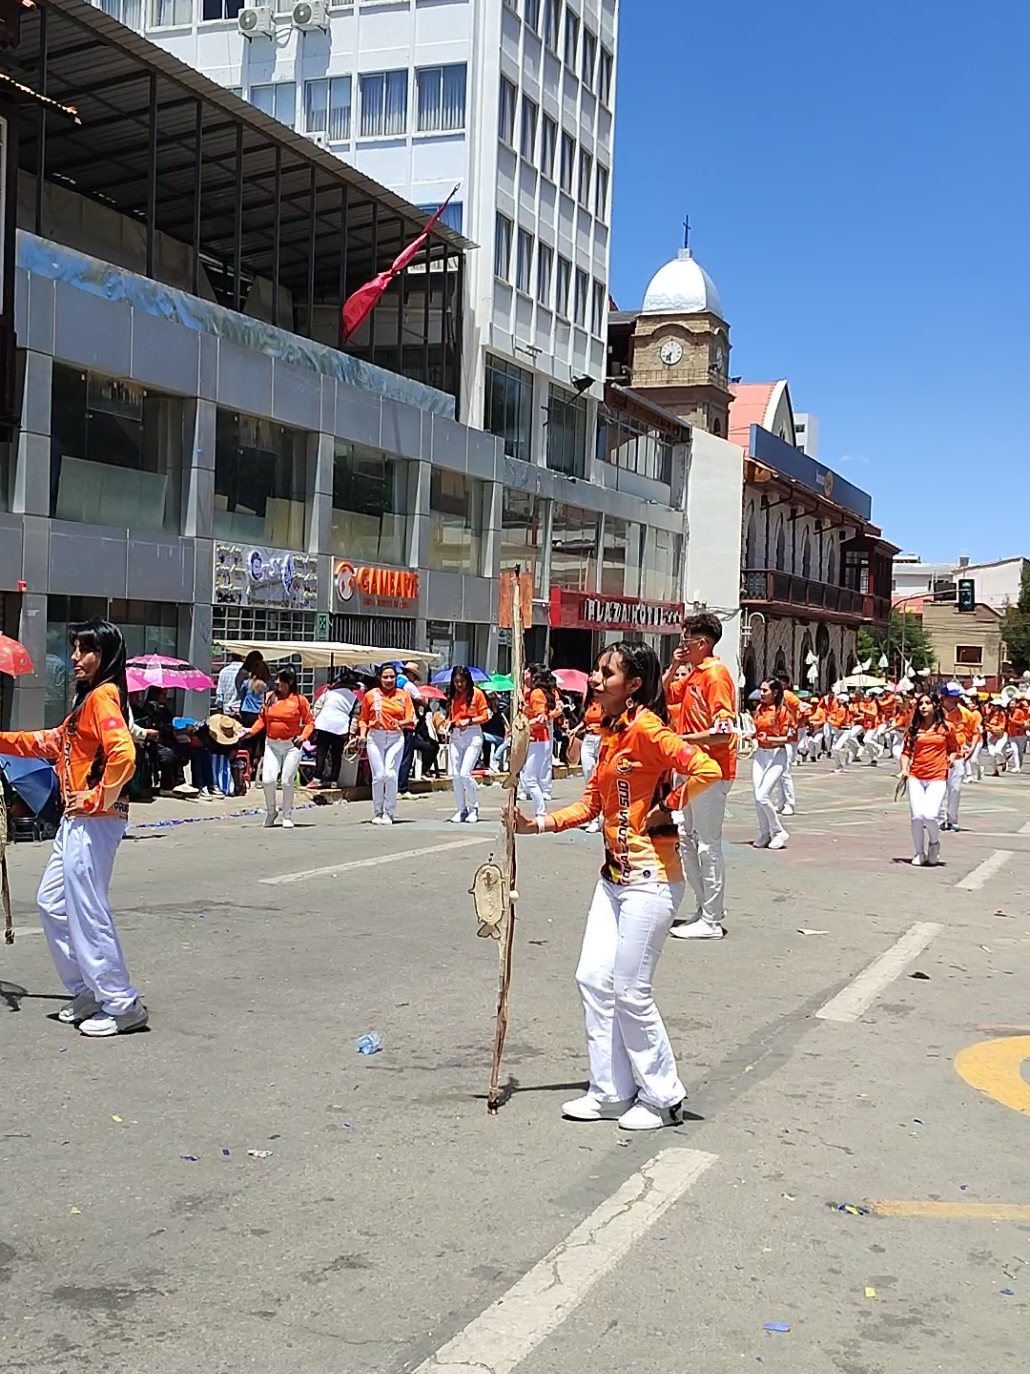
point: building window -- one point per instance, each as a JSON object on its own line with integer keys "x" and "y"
{"x": 168, "y": 12}
{"x": 605, "y": 72}
{"x": 261, "y": 482}
{"x": 524, "y": 262}
{"x": 620, "y": 557}
{"x": 116, "y": 452}
{"x": 568, "y": 162}
{"x": 781, "y": 546}
{"x": 661, "y": 571}
{"x": 571, "y": 39}
{"x": 5, "y": 476}
{"x": 563, "y": 285}
{"x": 456, "y": 522}
{"x": 212, "y": 9}
{"x": 278, "y": 99}
{"x": 527, "y": 140}
{"x": 506, "y": 116}
{"x": 532, "y": 15}
{"x": 632, "y": 445}
{"x": 973, "y": 654}
{"x": 508, "y": 408}
{"x": 806, "y": 555}
{"x": 127, "y": 12}
{"x": 370, "y": 505}
{"x": 566, "y": 432}
{"x": 544, "y": 264}
{"x": 327, "y": 106}
{"x": 589, "y": 68}
{"x": 574, "y": 542}
{"x": 522, "y": 534}
{"x": 586, "y": 176}
{"x": 548, "y": 147}
{"x": 502, "y": 247}
{"x": 582, "y": 294}
{"x": 601, "y": 193}
{"x": 384, "y": 104}
{"x": 453, "y": 216}
{"x": 598, "y": 302}
{"x": 441, "y": 98}
{"x": 552, "y": 23}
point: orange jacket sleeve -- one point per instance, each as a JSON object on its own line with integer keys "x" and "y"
{"x": 587, "y": 809}
{"x": 480, "y": 710}
{"x": 102, "y": 714}
{"x": 662, "y": 747}
{"x": 722, "y": 697}
{"x": 307, "y": 720}
{"x": 33, "y": 744}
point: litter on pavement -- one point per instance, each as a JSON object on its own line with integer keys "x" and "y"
{"x": 371, "y": 1043}
{"x": 782, "y": 1327}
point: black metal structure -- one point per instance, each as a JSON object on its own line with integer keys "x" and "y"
{"x": 186, "y": 158}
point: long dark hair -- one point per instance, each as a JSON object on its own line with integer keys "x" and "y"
{"x": 543, "y": 679}
{"x": 917, "y": 720}
{"x": 640, "y": 660}
{"x": 103, "y": 638}
{"x": 461, "y": 685}
{"x": 288, "y": 676}
{"x": 776, "y": 687}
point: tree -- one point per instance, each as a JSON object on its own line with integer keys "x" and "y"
{"x": 903, "y": 641}
{"x": 1015, "y": 628}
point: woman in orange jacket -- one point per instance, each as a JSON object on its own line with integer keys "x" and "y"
{"x": 95, "y": 757}
{"x": 287, "y": 722}
{"x": 773, "y": 728}
{"x": 543, "y": 707}
{"x": 931, "y": 747}
{"x": 468, "y": 713}
{"x": 633, "y": 1076}
{"x": 386, "y": 712}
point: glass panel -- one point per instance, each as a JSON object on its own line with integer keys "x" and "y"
{"x": 574, "y": 538}
{"x": 339, "y": 109}
{"x": 566, "y": 432}
{"x": 508, "y": 409}
{"x": 502, "y": 248}
{"x": 370, "y": 505}
{"x": 261, "y": 486}
{"x": 316, "y": 106}
{"x": 441, "y": 98}
{"x": 115, "y": 453}
{"x": 661, "y": 571}
{"x": 455, "y": 507}
{"x": 6, "y": 467}
{"x": 522, "y": 533}
{"x": 620, "y": 560}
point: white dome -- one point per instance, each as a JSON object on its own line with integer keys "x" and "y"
{"x": 682, "y": 287}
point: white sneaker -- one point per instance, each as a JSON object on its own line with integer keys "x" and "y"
{"x": 779, "y": 841}
{"x": 386, "y": 820}
{"x": 590, "y": 1109}
{"x": 838, "y": 770}
{"x": 288, "y": 823}
{"x": 457, "y": 818}
{"x": 376, "y": 820}
{"x": 701, "y": 929}
{"x": 933, "y": 855}
{"x": 103, "y": 1024}
{"x": 270, "y": 819}
{"x": 82, "y": 1006}
{"x": 917, "y": 861}
{"x": 787, "y": 811}
{"x": 643, "y": 1117}
{"x": 473, "y": 816}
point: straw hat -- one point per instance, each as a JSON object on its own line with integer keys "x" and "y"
{"x": 226, "y": 729}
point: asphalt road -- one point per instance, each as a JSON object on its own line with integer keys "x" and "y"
{"x": 391, "y": 1212}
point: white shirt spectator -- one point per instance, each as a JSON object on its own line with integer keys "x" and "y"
{"x": 333, "y": 710}
{"x": 227, "y": 696}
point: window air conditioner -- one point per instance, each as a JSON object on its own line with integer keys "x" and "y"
{"x": 311, "y": 14}
{"x": 255, "y": 21}
{"x": 319, "y": 138}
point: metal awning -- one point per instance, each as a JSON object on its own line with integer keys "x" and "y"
{"x": 324, "y": 655}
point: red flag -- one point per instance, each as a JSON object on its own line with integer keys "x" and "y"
{"x": 358, "y": 307}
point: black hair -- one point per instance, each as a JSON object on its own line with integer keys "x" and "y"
{"x": 460, "y": 686}
{"x": 343, "y": 677}
{"x": 777, "y": 689}
{"x": 381, "y": 669}
{"x": 704, "y": 625}
{"x": 781, "y": 675}
{"x": 640, "y": 660}
{"x": 542, "y": 678}
{"x": 917, "y": 720}
{"x": 255, "y": 659}
{"x": 103, "y": 638}
{"x": 288, "y": 676}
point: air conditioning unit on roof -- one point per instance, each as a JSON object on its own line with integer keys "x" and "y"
{"x": 256, "y": 21}
{"x": 311, "y": 14}
{"x": 319, "y": 138}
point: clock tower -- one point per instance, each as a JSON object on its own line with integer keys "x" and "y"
{"x": 681, "y": 346}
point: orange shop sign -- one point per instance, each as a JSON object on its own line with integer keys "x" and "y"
{"x": 360, "y": 587}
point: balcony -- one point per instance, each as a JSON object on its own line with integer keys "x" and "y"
{"x": 766, "y": 588}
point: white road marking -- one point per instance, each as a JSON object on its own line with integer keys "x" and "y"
{"x": 1025, "y": 829}
{"x": 502, "y": 1336}
{"x": 861, "y": 992}
{"x": 974, "y": 881}
{"x": 376, "y": 860}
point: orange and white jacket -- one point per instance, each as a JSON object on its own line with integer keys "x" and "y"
{"x": 541, "y": 716}
{"x": 474, "y": 712}
{"x": 389, "y": 711}
{"x": 92, "y": 753}
{"x": 635, "y": 760}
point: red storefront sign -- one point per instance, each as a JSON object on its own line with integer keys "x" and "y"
{"x": 362, "y": 588}
{"x": 598, "y": 611}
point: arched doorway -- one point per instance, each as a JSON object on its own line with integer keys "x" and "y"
{"x": 780, "y": 662}
{"x": 831, "y": 670}
{"x": 750, "y": 543}
{"x": 803, "y": 666}
{"x": 806, "y": 556}
{"x": 781, "y": 546}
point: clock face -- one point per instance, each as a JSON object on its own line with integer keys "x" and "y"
{"x": 671, "y": 352}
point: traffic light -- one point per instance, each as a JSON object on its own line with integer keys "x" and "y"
{"x": 966, "y": 594}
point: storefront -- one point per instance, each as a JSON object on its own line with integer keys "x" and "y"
{"x": 581, "y": 622}
{"x": 264, "y": 593}
{"x": 374, "y": 605}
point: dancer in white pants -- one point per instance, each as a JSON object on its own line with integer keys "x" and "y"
{"x": 94, "y": 757}
{"x": 633, "y": 1076}
{"x": 386, "y": 712}
{"x": 931, "y": 747}
{"x": 468, "y": 712}
{"x": 772, "y": 729}
{"x": 542, "y": 709}
{"x": 287, "y": 722}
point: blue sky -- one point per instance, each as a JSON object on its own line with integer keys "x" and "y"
{"x": 858, "y": 187}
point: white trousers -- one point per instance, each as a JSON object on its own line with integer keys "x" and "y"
{"x": 1017, "y": 748}
{"x": 466, "y": 745}
{"x": 998, "y": 750}
{"x": 534, "y": 772}
{"x": 840, "y": 747}
{"x": 701, "y": 850}
{"x": 588, "y": 755}
{"x": 952, "y": 792}
{"x": 786, "y": 788}
{"x": 924, "y": 804}
{"x": 974, "y": 768}
{"x": 385, "y": 751}
{"x": 872, "y": 744}
{"x": 281, "y": 756}
{"x": 767, "y": 767}
{"x": 630, "y": 1053}
{"x": 76, "y": 913}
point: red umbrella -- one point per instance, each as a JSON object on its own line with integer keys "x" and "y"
{"x": 572, "y": 680}
{"x": 14, "y": 658}
{"x": 433, "y": 693}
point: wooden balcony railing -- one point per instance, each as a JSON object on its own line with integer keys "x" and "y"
{"x": 767, "y": 586}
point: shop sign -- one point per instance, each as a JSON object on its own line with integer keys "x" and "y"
{"x": 597, "y": 611}
{"x": 361, "y": 589}
{"x": 250, "y": 575}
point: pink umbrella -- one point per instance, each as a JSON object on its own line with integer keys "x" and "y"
{"x": 433, "y": 693}
{"x": 572, "y": 680}
{"x": 157, "y": 670}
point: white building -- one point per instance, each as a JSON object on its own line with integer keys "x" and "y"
{"x": 996, "y": 583}
{"x": 806, "y": 433}
{"x": 513, "y": 103}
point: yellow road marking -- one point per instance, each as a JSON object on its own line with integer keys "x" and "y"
{"x": 951, "y": 1211}
{"x": 993, "y": 1068}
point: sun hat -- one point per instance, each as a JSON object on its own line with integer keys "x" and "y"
{"x": 225, "y": 729}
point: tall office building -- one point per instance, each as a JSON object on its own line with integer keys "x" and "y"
{"x": 512, "y": 101}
